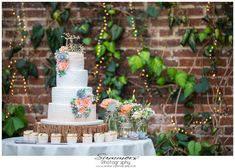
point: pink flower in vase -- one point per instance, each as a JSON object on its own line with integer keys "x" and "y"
{"x": 63, "y": 66}
{"x": 63, "y": 49}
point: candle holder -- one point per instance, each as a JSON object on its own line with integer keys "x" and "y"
{"x": 42, "y": 138}
{"x": 87, "y": 138}
{"x": 99, "y": 137}
{"x": 72, "y": 138}
{"x": 125, "y": 129}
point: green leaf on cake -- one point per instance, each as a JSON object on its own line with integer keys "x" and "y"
{"x": 37, "y": 35}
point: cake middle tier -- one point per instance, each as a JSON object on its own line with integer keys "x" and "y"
{"x": 63, "y": 112}
{"x": 66, "y": 94}
{"x": 73, "y": 78}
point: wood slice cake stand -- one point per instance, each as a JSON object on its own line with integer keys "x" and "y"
{"x": 65, "y": 129}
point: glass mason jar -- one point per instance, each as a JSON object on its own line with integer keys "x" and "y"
{"x": 125, "y": 129}
{"x": 112, "y": 121}
{"x": 141, "y": 126}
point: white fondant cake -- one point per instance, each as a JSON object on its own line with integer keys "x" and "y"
{"x": 72, "y": 100}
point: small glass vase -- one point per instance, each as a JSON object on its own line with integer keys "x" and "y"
{"x": 125, "y": 129}
{"x": 141, "y": 126}
{"x": 112, "y": 121}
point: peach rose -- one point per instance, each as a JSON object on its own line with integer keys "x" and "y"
{"x": 82, "y": 109}
{"x": 78, "y": 102}
{"x": 86, "y": 102}
{"x": 63, "y": 49}
{"x": 126, "y": 109}
{"x": 105, "y": 103}
{"x": 62, "y": 66}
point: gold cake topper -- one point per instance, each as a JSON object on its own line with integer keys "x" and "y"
{"x": 70, "y": 43}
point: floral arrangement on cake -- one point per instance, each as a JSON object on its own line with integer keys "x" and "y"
{"x": 62, "y": 59}
{"x": 81, "y": 106}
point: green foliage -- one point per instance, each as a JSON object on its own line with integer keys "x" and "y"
{"x": 13, "y": 51}
{"x": 87, "y": 41}
{"x": 194, "y": 148}
{"x": 156, "y": 66}
{"x": 37, "y": 35}
{"x": 60, "y": 16}
{"x": 110, "y": 46}
{"x": 152, "y": 11}
{"x": 116, "y": 31}
{"x": 135, "y": 63}
{"x": 6, "y": 75}
{"x": 16, "y": 121}
{"x": 102, "y": 50}
{"x": 189, "y": 38}
{"x": 181, "y": 78}
{"x": 26, "y": 68}
{"x": 202, "y": 86}
{"x": 54, "y": 39}
{"x": 176, "y": 20}
{"x": 50, "y": 72}
{"x": 83, "y": 28}
{"x": 171, "y": 144}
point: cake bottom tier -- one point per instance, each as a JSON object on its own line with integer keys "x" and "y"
{"x": 65, "y": 129}
{"x": 63, "y": 112}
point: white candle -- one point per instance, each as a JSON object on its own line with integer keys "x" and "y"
{"x": 87, "y": 138}
{"x": 42, "y": 138}
{"x": 99, "y": 137}
{"x": 55, "y": 138}
{"x": 26, "y": 134}
{"x": 33, "y": 136}
{"x": 108, "y": 137}
{"x": 114, "y": 135}
{"x": 72, "y": 138}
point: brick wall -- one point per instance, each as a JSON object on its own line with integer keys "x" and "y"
{"x": 159, "y": 36}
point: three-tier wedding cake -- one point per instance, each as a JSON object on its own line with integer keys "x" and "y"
{"x": 72, "y": 100}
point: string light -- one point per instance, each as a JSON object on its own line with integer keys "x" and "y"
{"x": 98, "y": 53}
{"x": 143, "y": 73}
{"x": 20, "y": 29}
